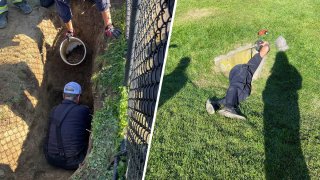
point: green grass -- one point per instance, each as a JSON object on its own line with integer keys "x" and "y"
{"x": 109, "y": 122}
{"x": 280, "y": 138}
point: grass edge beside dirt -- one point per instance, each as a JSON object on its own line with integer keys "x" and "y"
{"x": 109, "y": 122}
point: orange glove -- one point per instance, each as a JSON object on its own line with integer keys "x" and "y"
{"x": 262, "y": 32}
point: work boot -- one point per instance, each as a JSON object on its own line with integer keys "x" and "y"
{"x": 24, "y": 7}
{"x": 212, "y": 106}
{"x": 230, "y": 113}
{"x": 3, "y": 20}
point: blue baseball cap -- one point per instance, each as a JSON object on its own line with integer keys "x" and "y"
{"x": 72, "y": 88}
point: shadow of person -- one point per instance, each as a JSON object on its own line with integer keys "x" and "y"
{"x": 20, "y": 25}
{"x": 18, "y": 102}
{"x": 5, "y": 172}
{"x": 173, "y": 82}
{"x": 19, "y": 88}
{"x": 284, "y": 157}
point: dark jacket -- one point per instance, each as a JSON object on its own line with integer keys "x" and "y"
{"x": 73, "y": 129}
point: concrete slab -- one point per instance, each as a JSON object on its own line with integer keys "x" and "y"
{"x": 241, "y": 55}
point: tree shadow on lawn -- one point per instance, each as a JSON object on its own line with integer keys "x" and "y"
{"x": 175, "y": 81}
{"x": 284, "y": 157}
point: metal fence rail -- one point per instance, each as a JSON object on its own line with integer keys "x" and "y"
{"x": 148, "y": 26}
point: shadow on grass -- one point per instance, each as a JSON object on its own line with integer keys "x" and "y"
{"x": 284, "y": 157}
{"x": 173, "y": 82}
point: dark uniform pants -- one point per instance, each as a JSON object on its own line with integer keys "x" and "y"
{"x": 64, "y": 8}
{"x": 240, "y": 78}
{"x": 70, "y": 163}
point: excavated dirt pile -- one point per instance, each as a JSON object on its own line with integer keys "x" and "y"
{"x": 32, "y": 76}
{"x": 76, "y": 55}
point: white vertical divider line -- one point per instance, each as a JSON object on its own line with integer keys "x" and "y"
{"x": 159, "y": 91}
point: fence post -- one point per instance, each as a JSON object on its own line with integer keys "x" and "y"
{"x": 132, "y": 8}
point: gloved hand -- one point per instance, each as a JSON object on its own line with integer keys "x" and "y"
{"x": 69, "y": 34}
{"x": 111, "y": 31}
{"x": 258, "y": 45}
{"x": 263, "y": 32}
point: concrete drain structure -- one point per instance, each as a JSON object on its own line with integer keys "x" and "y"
{"x": 241, "y": 55}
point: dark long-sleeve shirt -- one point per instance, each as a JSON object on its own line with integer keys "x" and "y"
{"x": 73, "y": 129}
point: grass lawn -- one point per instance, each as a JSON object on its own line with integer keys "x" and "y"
{"x": 110, "y": 120}
{"x": 281, "y": 137}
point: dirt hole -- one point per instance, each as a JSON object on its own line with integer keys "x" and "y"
{"x": 224, "y": 63}
{"x": 33, "y": 76}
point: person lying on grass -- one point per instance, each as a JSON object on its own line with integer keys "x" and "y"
{"x": 240, "y": 78}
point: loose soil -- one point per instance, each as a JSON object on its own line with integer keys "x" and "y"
{"x": 76, "y": 55}
{"x": 32, "y": 76}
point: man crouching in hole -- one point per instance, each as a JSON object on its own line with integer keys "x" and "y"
{"x": 240, "y": 78}
{"x": 67, "y": 139}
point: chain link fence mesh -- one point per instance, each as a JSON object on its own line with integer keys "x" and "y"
{"x": 148, "y": 26}
{"x": 20, "y": 77}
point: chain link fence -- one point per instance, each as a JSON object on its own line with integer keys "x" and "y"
{"x": 148, "y": 26}
{"x": 20, "y": 77}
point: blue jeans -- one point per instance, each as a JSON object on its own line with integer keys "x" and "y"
{"x": 64, "y": 8}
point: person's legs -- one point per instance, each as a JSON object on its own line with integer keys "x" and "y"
{"x": 71, "y": 163}
{"x": 23, "y": 6}
{"x": 3, "y": 14}
{"x": 222, "y": 102}
{"x": 3, "y": 6}
{"x": 214, "y": 105}
{"x": 64, "y": 11}
{"x": 240, "y": 78}
{"x": 46, "y": 3}
{"x": 233, "y": 97}
{"x": 211, "y": 106}
{"x": 231, "y": 104}
{"x": 254, "y": 63}
{"x": 74, "y": 162}
{"x": 230, "y": 100}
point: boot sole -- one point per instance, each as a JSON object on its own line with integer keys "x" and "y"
{"x": 230, "y": 115}
{"x": 209, "y": 107}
